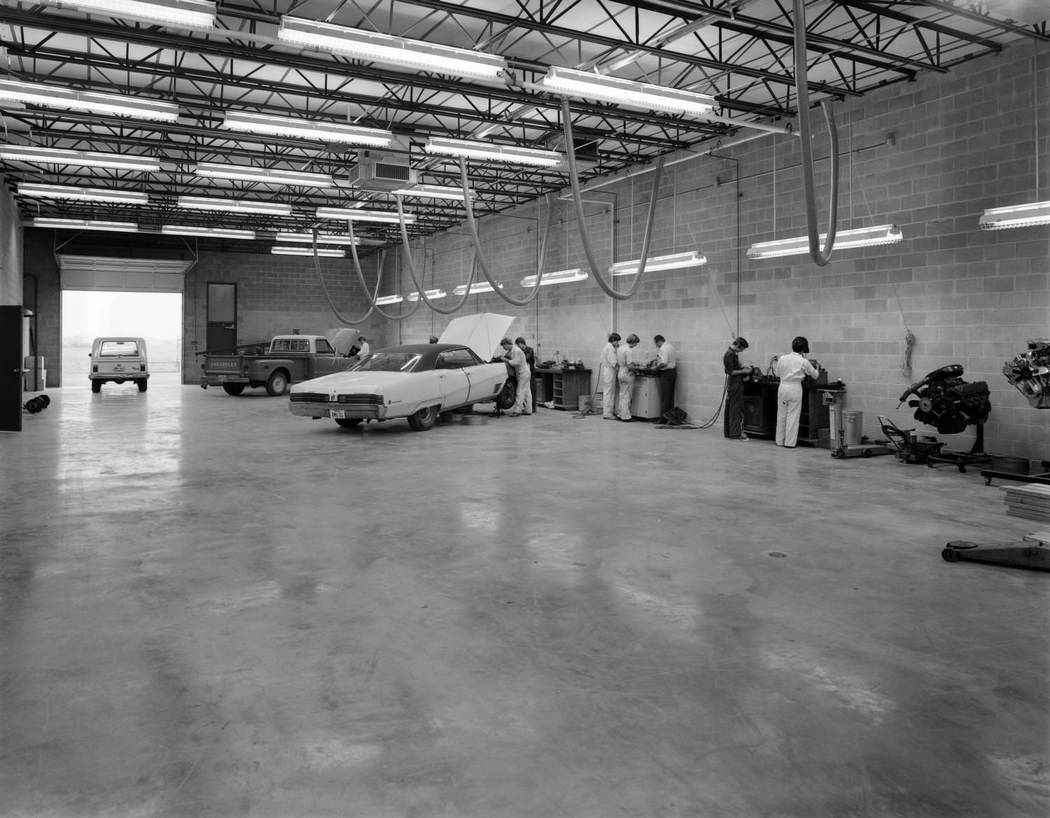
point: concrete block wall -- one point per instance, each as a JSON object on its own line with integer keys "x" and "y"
{"x": 929, "y": 156}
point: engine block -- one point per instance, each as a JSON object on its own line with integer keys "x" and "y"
{"x": 1029, "y": 372}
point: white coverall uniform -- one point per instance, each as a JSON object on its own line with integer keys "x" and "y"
{"x": 607, "y": 381}
{"x": 523, "y": 395}
{"x": 791, "y": 369}
{"x": 625, "y": 377}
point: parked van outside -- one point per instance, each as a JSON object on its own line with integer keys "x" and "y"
{"x": 118, "y": 360}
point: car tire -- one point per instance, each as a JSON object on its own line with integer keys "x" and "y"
{"x": 142, "y": 384}
{"x": 505, "y": 398}
{"x": 277, "y": 383}
{"x": 423, "y": 419}
{"x": 96, "y": 386}
{"x": 348, "y": 423}
{"x": 233, "y": 388}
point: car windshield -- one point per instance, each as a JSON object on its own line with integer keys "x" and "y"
{"x": 389, "y": 362}
{"x": 118, "y": 349}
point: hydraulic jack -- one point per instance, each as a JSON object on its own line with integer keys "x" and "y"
{"x": 1029, "y": 552}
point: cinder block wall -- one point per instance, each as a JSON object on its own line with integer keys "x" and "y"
{"x": 929, "y": 156}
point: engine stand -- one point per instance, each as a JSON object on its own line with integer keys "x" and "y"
{"x": 974, "y": 457}
{"x": 1028, "y": 552}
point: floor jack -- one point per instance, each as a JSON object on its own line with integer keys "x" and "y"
{"x": 835, "y": 399}
{"x": 1029, "y": 552}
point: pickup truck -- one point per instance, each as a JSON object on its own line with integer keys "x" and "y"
{"x": 289, "y": 359}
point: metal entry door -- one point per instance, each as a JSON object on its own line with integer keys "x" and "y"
{"x": 11, "y": 359}
{"x": 222, "y": 318}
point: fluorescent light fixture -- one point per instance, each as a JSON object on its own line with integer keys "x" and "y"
{"x": 477, "y": 287}
{"x": 306, "y": 129}
{"x": 271, "y": 176}
{"x": 324, "y": 252}
{"x": 573, "y": 83}
{"x": 322, "y": 238}
{"x": 207, "y": 232}
{"x": 87, "y": 159}
{"x": 389, "y": 299}
{"x": 85, "y": 194}
{"x": 1026, "y": 215}
{"x": 559, "y": 277}
{"x": 654, "y": 263}
{"x": 491, "y": 152}
{"x": 844, "y": 240}
{"x": 354, "y": 214}
{"x": 371, "y": 45}
{"x": 92, "y": 101}
{"x": 433, "y": 192}
{"x": 433, "y": 295}
{"x": 85, "y": 224}
{"x": 189, "y": 13}
{"x": 235, "y": 205}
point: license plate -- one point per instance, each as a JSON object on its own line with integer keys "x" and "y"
{"x": 337, "y": 414}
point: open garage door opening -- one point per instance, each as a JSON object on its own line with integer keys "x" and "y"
{"x": 153, "y": 316}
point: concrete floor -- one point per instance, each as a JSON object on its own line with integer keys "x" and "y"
{"x": 209, "y": 607}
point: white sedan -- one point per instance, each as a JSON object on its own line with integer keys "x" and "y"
{"x": 414, "y": 381}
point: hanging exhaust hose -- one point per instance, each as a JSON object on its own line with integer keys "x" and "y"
{"x": 802, "y": 95}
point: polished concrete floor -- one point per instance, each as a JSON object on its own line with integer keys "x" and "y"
{"x": 209, "y": 607}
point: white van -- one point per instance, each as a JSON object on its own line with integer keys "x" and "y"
{"x": 118, "y": 360}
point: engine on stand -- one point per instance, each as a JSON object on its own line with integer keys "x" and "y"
{"x": 944, "y": 400}
{"x": 1029, "y": 372}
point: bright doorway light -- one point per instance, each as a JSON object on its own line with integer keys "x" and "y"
{"x": 88, "y": 314}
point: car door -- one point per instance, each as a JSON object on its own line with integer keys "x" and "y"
{"x": 455, "y": 388}
{"x": 327, "y": 361}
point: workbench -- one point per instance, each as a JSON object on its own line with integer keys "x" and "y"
{"x": 562, "y": 386}
{"x": 760, "y": 408}
{"x": 645, "y": 398}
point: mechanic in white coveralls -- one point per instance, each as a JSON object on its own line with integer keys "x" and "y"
{"x": 607, "y": 376}
{"x": 791, "y": 369}
{"x": 626, "y": 360}
{"x": 515, "y": 358}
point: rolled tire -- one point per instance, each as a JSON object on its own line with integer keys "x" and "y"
{"x": 423, "y": 419}
{"x": 233, "y": 388}
{"x": 277, "y": 383}
{"x": 142, "y": 384}
{"x": 505, "y": 398}
{"x": 348, "y": 423}
{"x": 96, "y": 386}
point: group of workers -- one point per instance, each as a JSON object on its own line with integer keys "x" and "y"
{"x": 791, "y": 369}
{"x": 619, "y": 364}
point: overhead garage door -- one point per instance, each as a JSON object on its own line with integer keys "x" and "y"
{"x": 123, "y": 274}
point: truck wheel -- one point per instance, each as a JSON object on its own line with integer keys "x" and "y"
{"x": 423, "y": 419}
{"x": 348, "y": 423}
{"x": 96, "y": 386}
{"x": 233, "y": 388}
{"x": 142, "y": 383}
{"x": 277, "y": 384}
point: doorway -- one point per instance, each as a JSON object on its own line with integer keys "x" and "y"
{"x": 154, "y": 316}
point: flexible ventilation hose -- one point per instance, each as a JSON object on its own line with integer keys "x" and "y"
{"x": 821, "y": 257}
{"x": 361, "y": 278}
{"x": 585, "y": 239}
{"x": 328, "y": 295}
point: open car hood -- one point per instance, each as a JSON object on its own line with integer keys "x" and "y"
{"x": 342, "y": 339}
{"x": 481, "y": 332}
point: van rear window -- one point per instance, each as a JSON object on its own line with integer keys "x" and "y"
{"x": 119, "y": 349}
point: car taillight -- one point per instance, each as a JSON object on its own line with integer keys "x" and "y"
{"x": 142, "y": 367}
{"x": 94, "y": 368}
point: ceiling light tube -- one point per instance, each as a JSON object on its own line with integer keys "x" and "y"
{"x": 189, "y": 13}
{"x": 87, "y": 159}
{"x": 371, "y": 45}
{"x": 325, "y": 252}
{"x": 55, "y": 96}
{"x": 84, "y": 194}
{"x": 491, "y": 152}
{"x": 654, "y": 263}
{"x": 207, "y": 232}
{"x": 432, "y": 295}
{"x": 354, "y": 214}
{"x": 388, "y": 299}
{"x": 271, "y": 176}
{"x": 477, "y": 287}
{"x": 602, "y": 87}
{"x": 559, "y": 277}
{"x": 844, "y": 240}
{"x": 85, "y": 224}
{"x": 322, "y": 238}
{"x": 268, "y": 125}
{"x": 1026, "y": 215}
{"x": 433, "y": 192}
{"x": 235, "y": 205}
